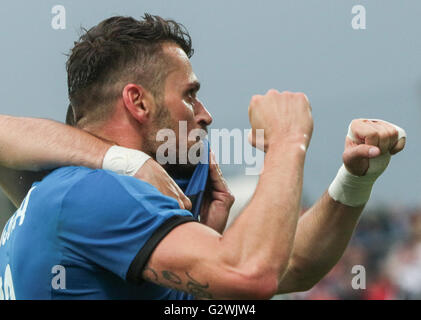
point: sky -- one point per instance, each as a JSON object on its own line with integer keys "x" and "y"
{"x": 244, "y": 48}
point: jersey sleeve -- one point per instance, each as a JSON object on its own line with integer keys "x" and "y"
{"x": 116, "y": 222}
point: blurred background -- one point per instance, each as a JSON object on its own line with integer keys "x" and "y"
{"x": 244, "y": 48}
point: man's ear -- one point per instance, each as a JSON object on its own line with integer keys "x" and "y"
{"x": 137, "y": 101}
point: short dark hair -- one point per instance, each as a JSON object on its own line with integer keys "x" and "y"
{"x": 119, "y": 50}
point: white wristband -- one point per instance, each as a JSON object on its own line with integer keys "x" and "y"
{"x": 124, "y": 161}
{"x": 355, "y": 191}
{"x": 350, "y": 190}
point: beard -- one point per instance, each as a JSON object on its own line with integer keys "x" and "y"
{"x": 162, "y": 120}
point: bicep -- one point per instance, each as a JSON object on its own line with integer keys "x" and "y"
{"x": 16, "y": 184}
{"x": 191, "y": 259}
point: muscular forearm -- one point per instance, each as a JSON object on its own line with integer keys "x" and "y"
{"x": 325, "y": 230}
{"x": 263, "y": 235}
{"x": 39, "y": 144}
{"x": 28, "y": 144}
{"x": 323, "y": 233}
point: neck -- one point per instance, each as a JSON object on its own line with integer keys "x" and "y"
{"x": 124, "y": 131}
{"x": 119, "y": 129}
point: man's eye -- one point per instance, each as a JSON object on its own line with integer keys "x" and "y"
{"x": 192, "y": 94}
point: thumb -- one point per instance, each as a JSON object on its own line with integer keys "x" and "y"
{"x": 356, "y": 158}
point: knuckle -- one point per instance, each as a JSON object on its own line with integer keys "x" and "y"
{"x": 353, "y": 126}
{"x": 354, "y": 123}
{"x": 300, "y": 95}
{"x": 272, "y": 92}
{"x": 230, "y": 199}
{"x": 286, "y": 93}
{"x": 231, "y": 196}
{"x": 255, "y": 99}
{"x": 380, "y": 132}
{"x": 393, "y": 133}
{"x": 373, "y": 134}
{"x": 358, "y": 122}
{"x": 385, "y": 135}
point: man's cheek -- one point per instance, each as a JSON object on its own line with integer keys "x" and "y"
{"x": 188, "y": 106}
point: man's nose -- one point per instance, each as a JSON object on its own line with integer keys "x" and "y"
{"x": 203, "y": 117}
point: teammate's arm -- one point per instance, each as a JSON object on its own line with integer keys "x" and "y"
{"x": 249, "y": 259}
{"x": 29, "y": 145}
{"x": 324, "y": 231}
{"x": 39, "y": 144}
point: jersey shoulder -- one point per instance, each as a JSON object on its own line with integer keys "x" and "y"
{"x": 82, "y": 191}
{"x": 84, "y": 184}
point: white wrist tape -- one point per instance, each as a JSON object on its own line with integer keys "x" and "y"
{"x": 354, "y": 191}
{"x": 124, "y": 161}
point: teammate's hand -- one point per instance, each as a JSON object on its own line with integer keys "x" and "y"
{"x": 283, "y": 116}
{"x": 218, "y": 199}
{"x": 371, "y": 138}
{"x": 153, "y": 173}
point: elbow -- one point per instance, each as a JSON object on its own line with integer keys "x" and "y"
{"x": 257, "y": 288}
{"x": 264, "y": 286}
{"x": 253, "y": 283}
{"x": 262, "y": 279}
{"x": 299, "y": 278}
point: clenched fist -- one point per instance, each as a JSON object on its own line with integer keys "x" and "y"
{"x": 369, "y": 146}
{"x": 368, "y": 139}
{"x": 283, "y": 116}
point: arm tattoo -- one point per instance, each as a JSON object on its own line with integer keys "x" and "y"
{"x": 171, "y": 280}
{"x": 197, "y": 289}
{"x": 150, "y": 274}
{"x": 171, "y": 277}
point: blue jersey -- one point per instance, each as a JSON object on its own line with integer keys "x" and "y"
{"x": 87, "y": 234}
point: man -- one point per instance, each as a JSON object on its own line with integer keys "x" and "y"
{"x": 118, "y": 237}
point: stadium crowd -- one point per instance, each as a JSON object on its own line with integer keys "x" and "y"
{"x": 387, "y": 243}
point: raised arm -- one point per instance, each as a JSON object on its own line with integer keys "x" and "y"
{"x": 28, "y": 144}
{"x": 324, "y": 231}
{"x": 250, "y": 258}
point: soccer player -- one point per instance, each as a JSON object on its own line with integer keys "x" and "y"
{"x": 82, "y": 233}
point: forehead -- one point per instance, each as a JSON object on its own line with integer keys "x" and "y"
{"x": 182, "y": 71}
